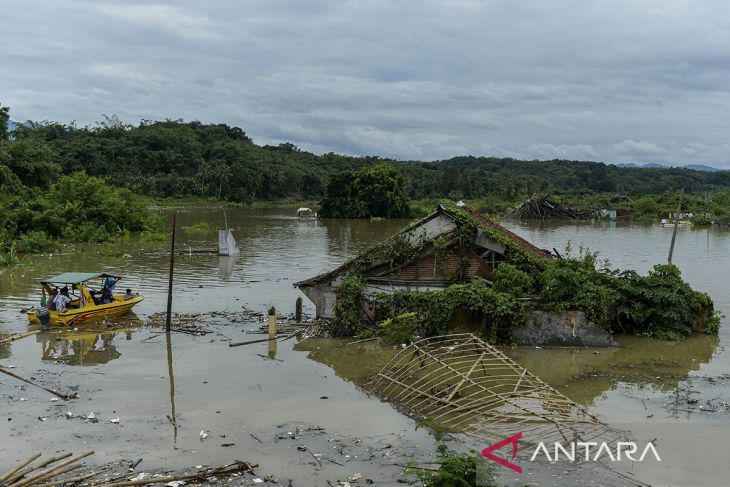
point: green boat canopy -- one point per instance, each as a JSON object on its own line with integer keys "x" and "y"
{"x": 76, "y": 277}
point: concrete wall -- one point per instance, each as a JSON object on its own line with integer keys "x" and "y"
{"x": 323, "y": 297}
{"x": 561, "y": 328}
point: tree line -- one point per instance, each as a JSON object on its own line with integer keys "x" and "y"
{"x": 173, "y": 158}
{"x": 178, "y": 159}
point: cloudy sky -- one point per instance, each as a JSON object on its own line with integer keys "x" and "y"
{"x": 606, "y": 80}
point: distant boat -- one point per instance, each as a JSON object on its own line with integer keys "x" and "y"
{"x": 84, "y": 305}
{"x": 305, "y": 212}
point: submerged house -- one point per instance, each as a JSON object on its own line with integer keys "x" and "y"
{"x": 453, "y": 244}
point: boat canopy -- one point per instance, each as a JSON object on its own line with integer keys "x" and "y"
{"x": 76, "y": 277}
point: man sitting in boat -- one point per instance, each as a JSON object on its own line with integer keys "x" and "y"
{"x": 106, "y": 296}
{"x": 61, "y": 300}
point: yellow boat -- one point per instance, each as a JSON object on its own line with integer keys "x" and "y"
{"x": 83, "y": 307}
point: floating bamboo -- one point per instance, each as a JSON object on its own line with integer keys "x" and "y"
{"x": 13, "y": 338}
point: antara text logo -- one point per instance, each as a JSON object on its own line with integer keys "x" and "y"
{"x": 574, "y": 451}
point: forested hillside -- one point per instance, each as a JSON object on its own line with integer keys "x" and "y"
{"x": 65, "y": 182}
{"x": 176, "y": 158}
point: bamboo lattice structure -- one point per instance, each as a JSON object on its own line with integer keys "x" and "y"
{"x": 469, "y": 386}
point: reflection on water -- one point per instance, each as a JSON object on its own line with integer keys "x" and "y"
{"x": 90, "y": 345}
{"x": 356, "y": 363}
{"x": 226, "y": 265}
{"x": 273, "y": 344}
{"x": 171, "y": 381}
{"x": 584, "y": 374}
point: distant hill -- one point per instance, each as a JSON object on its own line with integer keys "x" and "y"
{"x": 701, "y": 167}
{"x": 654, "y": 165}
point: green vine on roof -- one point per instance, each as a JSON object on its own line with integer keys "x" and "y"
{"x": 395, "y": 251}
{"x": 517, "y": 254}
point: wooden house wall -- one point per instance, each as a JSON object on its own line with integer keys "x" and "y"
{"x": 426, "y": 269}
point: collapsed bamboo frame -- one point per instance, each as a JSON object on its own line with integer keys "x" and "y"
{"x": 466, "y": 385}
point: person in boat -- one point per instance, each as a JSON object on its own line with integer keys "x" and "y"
{"x": 41, "y": 311}
{"x": 52, "y": 300}
{"x": 106, "y": 296}
{"x": 61, "y": 300}
{"x": 128, "y": 295}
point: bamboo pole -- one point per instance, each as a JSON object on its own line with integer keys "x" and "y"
{"x": 74, "y": 480}
{"x": 60, "y": 468}
{"x": 13, "y": 338}
{"x": 55, "y": 393}
{"x": 27, "y": 470}
{"x": 674, "y": 232}
{"x": 12, "y": 471}
{"x": 50, "y": 474}
{"x": 248, "y": 342}
{"x": 172, "y": 267}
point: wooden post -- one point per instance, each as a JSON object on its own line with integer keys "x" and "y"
{"x": 462, "y": 271}
{"x": 272, "y": 322}
{"x": 172, "y": 266}
{"x": 272, "y": 333}
{"x": 298, "y": 313}
{"x": 674, "y": 232}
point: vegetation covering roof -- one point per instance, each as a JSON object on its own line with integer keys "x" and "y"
{"x": 491, "y": 224}
{"x": 462, "y": 214}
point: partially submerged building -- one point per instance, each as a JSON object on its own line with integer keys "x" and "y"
{"x": 451, "y": 245}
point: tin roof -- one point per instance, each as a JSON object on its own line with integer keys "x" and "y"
{"x": 75, "y": 277}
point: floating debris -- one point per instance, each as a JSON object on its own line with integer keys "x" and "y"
{"x": 52, "y": 472}
{"x": 544, "y": 209}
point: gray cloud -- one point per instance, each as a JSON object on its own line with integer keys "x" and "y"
{"x": 618, "y": 81}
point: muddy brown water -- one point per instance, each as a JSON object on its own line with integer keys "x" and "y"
{"x": 235, "y": 395}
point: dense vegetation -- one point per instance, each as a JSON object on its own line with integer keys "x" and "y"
{"x": 39, "y": 203}
{"x": 366, "y": 192}
{"x": 173, "y": 158}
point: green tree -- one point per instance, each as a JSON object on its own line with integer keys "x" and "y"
{"x": 4, "y": 119}
{"x": 366, "y": 192}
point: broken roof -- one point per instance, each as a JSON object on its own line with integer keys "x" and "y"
{"x": 535, "y": 251}
{"x": 462, "y": 214}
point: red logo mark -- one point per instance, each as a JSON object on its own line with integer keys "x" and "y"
{"x": 512, "y": 440}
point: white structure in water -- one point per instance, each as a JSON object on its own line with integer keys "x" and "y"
{"x": 226, "y": 243}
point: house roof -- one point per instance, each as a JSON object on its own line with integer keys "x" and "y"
{"x": 519, "y": 242}
{"x": 536, "y": 251}
{"x": 74, "y": 277}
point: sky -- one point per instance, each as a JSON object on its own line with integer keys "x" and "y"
{"x": 618, "y": 81}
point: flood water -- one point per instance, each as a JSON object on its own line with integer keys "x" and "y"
{"x": 233, "y": 393}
